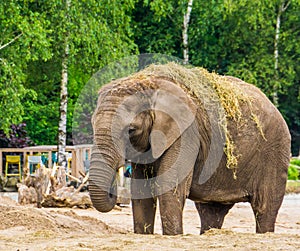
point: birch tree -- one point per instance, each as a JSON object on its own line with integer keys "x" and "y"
{"x": 96, "y": 35}
{"x": 282, "y": 8}
{"x": 62, "y": 127}
{"x": 186, "y": 20}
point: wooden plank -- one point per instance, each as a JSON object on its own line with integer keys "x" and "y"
{"x": 80, "y": 161}
{"x": 24, "y": 160}
{"x": 49, "y": 159}
{"x": 74, "y": 163}
{"x": 1, "y": 156}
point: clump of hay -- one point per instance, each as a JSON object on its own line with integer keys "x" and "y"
{"x": 219, "y": 96}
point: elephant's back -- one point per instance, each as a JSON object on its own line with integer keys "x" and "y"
{"x": 261, "y": 112}
{"x": 262, "y": 132}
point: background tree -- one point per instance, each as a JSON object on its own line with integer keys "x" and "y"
{"x": 99, "y": 33}
{"x": 62, "y": 126}
{"x": 23, "y": 39}
{"x": 186, "y": 20}
{"x": 230, "y": 37}
{"x": 281, "y": 9}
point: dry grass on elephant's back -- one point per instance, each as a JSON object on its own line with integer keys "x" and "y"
{"x": 220, "y": 97}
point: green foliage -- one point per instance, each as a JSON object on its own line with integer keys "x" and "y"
{"x": 11, "y": 94}
{"x": 157, "y": 26}
{"x": 229, "y": 37}
{"x": 31, "y": 46}
{"x": 42, "y": 122}
{"x": 23, "y": 38}
{"x": 293, "y": 171}
{"x": 295, "y": 162}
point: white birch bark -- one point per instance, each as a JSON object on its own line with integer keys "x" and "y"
{"x": 62, "y": 127}
{"x": 186, "y": 20}
{"x": 282, "y": 8}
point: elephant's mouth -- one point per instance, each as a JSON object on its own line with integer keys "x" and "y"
{"x": 143, "y": 156}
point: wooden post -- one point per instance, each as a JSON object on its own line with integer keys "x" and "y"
{"x": 79, "y": 160}
{"x": 24, "y": 158}
{"x": 1, "y": 156}
{"x": 49, "y": 159}
{"x": 74, "y": 164}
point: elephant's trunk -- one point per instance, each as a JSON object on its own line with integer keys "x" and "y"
{"x": 102, "y": 181}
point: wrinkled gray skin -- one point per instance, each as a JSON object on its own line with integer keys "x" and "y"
{"x": 142, "y": 126}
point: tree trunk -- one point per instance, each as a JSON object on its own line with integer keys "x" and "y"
{"x": 186, "y": 20}
{"x": 62, "y": 127}
{"x": 282, "y": 8}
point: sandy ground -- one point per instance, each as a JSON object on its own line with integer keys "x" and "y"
{"x": 30, "y": 228}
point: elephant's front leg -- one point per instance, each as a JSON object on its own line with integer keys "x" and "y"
{"x": 171, "y": 207}
{"x": 143, "y": 203}
{"x": 143, "y": 215}
{"x": 174, "y": 178}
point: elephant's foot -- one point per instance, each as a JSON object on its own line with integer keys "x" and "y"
{"x": 212, "y": 214}
{"x": 265, "y": 219}
{"x": 265, "y": 207}
{"x": 144, "y": 229}
{"x": 264, "y": 223}
{"x": 172, "y": 226}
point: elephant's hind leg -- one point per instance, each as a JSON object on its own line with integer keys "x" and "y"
{"x": 265, "y": 208}
{"x": 269, "y": 191}
{"x": 212, "y": 214}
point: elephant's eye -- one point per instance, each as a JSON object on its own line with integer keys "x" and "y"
{"x": 131, "y": 130}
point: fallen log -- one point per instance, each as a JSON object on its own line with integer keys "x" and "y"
{"x": 67, "y": 197}
{"x": 26, "y": 195}
{"x": 73, "y": 178}
{"x": 48, "y": 188}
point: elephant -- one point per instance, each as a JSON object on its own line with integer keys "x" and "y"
{"x": 174, "y": 136}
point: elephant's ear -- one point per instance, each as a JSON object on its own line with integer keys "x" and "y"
{"x": 173, "y": 112}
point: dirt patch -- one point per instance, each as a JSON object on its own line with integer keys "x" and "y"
{"x": 30, "y": 228}
{"x": 293, "y": 186}
{"x": 31, "y": 218}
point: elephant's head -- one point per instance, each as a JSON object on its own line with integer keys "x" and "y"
{"x": 137, "y": 119}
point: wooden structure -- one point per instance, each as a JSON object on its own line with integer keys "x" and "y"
{"x": 79, "y": 153}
